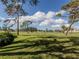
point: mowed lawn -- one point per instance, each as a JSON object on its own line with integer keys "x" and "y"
{"x": 39, "y": 45}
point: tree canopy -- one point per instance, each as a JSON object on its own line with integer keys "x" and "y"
{"x": 73, "y": 12}
{"x": 73, "y": 8}
{"x": 15, "y": 7}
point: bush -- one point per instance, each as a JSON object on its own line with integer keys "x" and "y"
{"x": 75, "y": 40}
{"x": 6, "y": 39}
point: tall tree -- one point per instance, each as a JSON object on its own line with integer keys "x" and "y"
{"x": 73, "y": 12}
{"x": 73, "y": 8}
{"x": 15, "y": 7}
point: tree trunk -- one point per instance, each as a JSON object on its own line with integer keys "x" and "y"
{"x": 69, "y": 28}
{"x": 18, "y": 25}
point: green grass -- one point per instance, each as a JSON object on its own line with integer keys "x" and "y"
{"x": 28, "y": 45}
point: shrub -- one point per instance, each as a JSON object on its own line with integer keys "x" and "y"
{"x": 6, "y": 39}
{"x": 75, "y": 40}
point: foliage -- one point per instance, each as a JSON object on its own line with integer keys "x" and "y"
{"x": 15, "y": 7}
{"x": 73, "y": 9}
{"x": 58, "y": 15}
{"x": 64, "y": 28}
{"x": 6, "y": 39}
{"x": 73, "y": 12}
{"x": 25, "y": 24}
{"x": 32, "y": 29}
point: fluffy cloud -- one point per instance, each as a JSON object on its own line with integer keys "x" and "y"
{"x": 37, "y": 17}
{"x": 61, "y": 12}
{"x": 56, "y": 26}
{"x": 46, "y": 22}
{"x": 50, "y": 14}
{"x": 67, "y": 25}
{"x": 59, "y": 21}
{"x": 43, "y": 19}
{"x": 53, "y": 21}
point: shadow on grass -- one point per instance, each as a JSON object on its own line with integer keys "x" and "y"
{"x": 26, "y": 44}
{"x": 33, "y": 53}
{"x": 37, "y": 43}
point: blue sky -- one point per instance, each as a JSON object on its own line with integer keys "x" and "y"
{"x": 47, "y": 5}
{"x": 46, "y": 8}
{"x": 43, "y": 5}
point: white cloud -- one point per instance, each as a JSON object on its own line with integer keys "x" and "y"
{"x": 46, "y": 22}
{"x": 50, "y": 14}
{"x": 67, "y": 25}
{"x": 52, "y": 21}
{"x": 59, "y": 25}
{"x": 56, "y": 26}
{"x": 39, "y": 14}
{"x": 59, "y": 21}
{"x": 37, "y": 17}
{"x": 44, "y": 19}
{"x": 61, "y": 12}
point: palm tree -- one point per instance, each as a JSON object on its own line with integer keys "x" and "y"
{"x": 15, "y": 7}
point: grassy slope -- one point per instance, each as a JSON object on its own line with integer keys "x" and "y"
{"x": 23, "y": 46}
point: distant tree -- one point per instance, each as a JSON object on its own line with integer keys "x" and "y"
{"x": 15, "y": 7}
{"x": 25, "y": 24}
{"x": 64, "y": 28}
{"x": 31, "y": 29}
